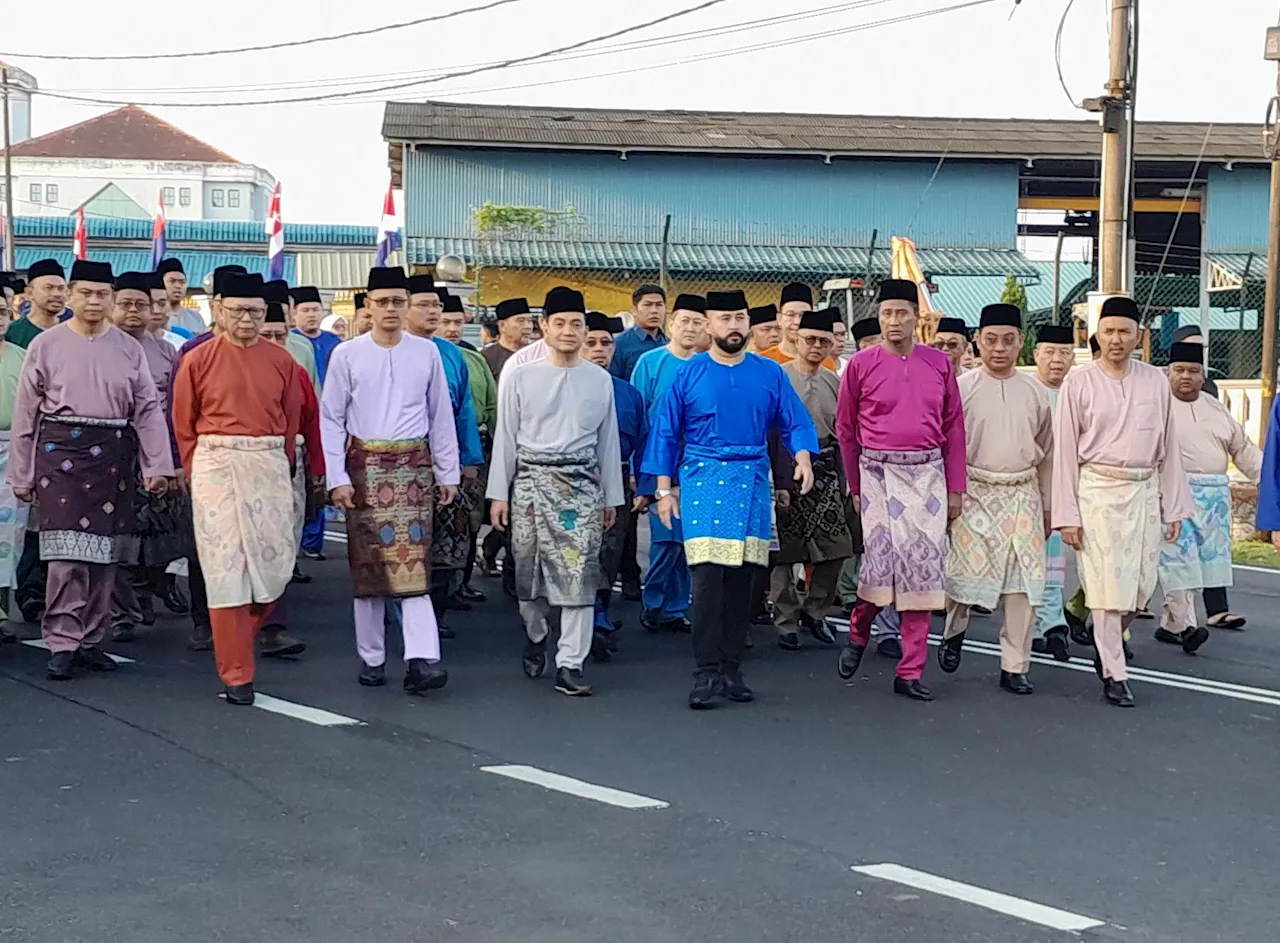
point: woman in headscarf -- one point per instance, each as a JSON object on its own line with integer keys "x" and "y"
{"x": 335, "y": 324}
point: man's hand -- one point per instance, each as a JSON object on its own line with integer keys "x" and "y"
{"x": 498, "y": 515}
{"x": 470, "y": 471}
{"x": 782, "y": 498}
{"x": 182, "y": 480}
{"x": 446, "y": 494}
{"x": 156, "y": 484}
{"x": 24, "y": 494}
{"x": 640, "y": 504}
{"x": 610, "y": 515}
{"x": 955, "y": 504}
{"x": 668, "y": 509}
{"x": 343, "y": 497}
{"x": 1073, "y": 537}
{"x": 804, "y": 472}
{"x": 1172, "y": 531}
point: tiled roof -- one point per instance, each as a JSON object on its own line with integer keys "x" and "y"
{"x": 473, "y": 125}
{"x": 128, "y": 133}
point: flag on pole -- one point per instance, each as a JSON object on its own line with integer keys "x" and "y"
{"x": 388, "y": 230}
{"x": 275, "y": 234}
{"x": 80, "y": 243}
{"x": 159, "y": 234}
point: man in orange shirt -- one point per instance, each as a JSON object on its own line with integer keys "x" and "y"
{"x": 796, "y": 300}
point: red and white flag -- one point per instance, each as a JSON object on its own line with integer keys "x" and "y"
{"x": 275, "y": 237}
{"x": 80, "y": 244}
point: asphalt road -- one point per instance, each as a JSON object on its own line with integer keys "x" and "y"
{"x": 138, "y": 806}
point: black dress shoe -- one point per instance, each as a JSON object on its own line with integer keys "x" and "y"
{"x": 789, "y": 642}
{"x": 470, "y": 595}
{"x": 489, "y": 567}
{"x": 949, "y": 653}
{"x": 275, "y": 642}
{"x": 1055, "y": 643}
{"x": 421, "y": 676}
{"x": 444, "y": 630}
{"x": 569, "y": 681}
{"x": 1169, "y": 638}
{"x": 535, "y": 659}
{"x": 373, "y": 676}
{"x": 240, "y": 695}
{"x": 95, "y": 659}
{"x": 707, "y": 687}
{"x": 173, "y": 599}
{"x": 849, "y": 660}
{"x": 7, "y": 637}
{"x": 124, "y": 632}
{"x": 600, "y": 650}
{"x": 1118, "y": 693}
{"x": 299, "y": 576}
{"x": 32, "y": 612}
{"x": 1079, "y": 629}
{"x": 735, "y": 688}
{"x": 679, "y": 625}
{"x": 1016, "y": 683}
{"x": 61, "y": 665}
{"x": 651, "y": 620}
{"x": 201, "y": 639}
{"x": 912, "y": 689}
{"x": 818, "y": 628}
{"x": 889, "y": 646}
{"x": 1128, "y": 652}
{"x": 1193, "y": 638}
{"x": 980, "y": 610}
{"x": 147, "y": 609}
{"x": 314, "y": 555}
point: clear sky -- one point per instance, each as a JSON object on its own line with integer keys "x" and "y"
{"x": 1199, "y": 60}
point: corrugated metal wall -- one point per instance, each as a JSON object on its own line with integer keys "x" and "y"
{"x": 719, "y": 200}
{"x": 1237, "y": 210}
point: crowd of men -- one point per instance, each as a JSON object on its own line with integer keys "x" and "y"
{"x": 780, "y": 476}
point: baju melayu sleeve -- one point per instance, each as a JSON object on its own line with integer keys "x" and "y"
{"x": 1269, "y": 482}
{"x": 11, "y": 360}
{"x": 484, "y": 389}
{"x": 459, "y": 381}
{"x": 1209, "y": 438}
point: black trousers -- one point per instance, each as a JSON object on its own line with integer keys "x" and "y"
{"x": 32, "y": 575}
{"x": 199, "y": 597}
{"x": 721, "y": 609}
{"x": 630, "y": 569}
{"x": 1215, "y": 600}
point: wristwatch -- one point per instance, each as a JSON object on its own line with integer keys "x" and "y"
{"x": 663, "y": 493}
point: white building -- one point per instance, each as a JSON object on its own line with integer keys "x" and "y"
{"x": 121, "y": 163}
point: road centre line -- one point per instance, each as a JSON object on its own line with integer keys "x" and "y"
{"x": 575, "y": 787}
{"x": 42, "y": 644}
{"x": 1026, "y": 910}
{"x": 312, "y": 715}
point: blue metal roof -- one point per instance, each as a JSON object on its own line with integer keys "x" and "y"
{"x": 196, "y": 264}
{"x": 965, "y": 297}
{"x": 195, "y": 230}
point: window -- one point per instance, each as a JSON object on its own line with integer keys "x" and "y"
{"x": 233, "y": 198}
{"x": 51, "y": 193}
{"x": 216, "y": 197}
{"x": 166, "y": 196}
{"x": 184, "y": 196}
{"x": 37, "y": 192}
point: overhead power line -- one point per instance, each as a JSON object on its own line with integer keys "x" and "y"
{"x": 435, "y": 18}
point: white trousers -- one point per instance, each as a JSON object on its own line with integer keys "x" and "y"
{"x": 576, "y": 629}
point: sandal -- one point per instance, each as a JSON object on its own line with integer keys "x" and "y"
{"x": 1226, "y": 620}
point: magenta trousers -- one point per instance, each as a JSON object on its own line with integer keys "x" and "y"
{"x": 915, "y": 636}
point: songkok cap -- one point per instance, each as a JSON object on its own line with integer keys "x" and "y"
{"x": 616, "y": 325}
{"x": 453, "y": 304}
{"x": 423, "y": 285}
{"x": 275, "y": 314}
{"x": 170, "y": 265}
{"x": 817, "y": 320}
{"x": 952, "y": 326}
{"x": 307, "y": 294}
{"x": 84, "y": 271}
{"x": 1120, "y": 307}
{"x": 1094, "y": 346}
{"x": 275, "y": 291}
{"x": 511, "y": 307}
{"x": 157, "y": 281}
{"x": 134, "y": 281}
{"x": 687, "y": 302}
{"x": 1184, "y": 352}
{"x": 391, "y": 276}
{"x": 765, "y": 314}
{"x": 561, "y": 299}
{"x": 19, "y": 285}
{"x": 898, "y": 289}
{"x": 221, "y": 273}
{"x": 597, "y": 321}
{"x": 796, "y": 292}
{"x": 1000, "y": 315}
{"x": 1187, "y": 330}
{"x": 244, "y": 286}
{"x": 359, "y": 300}
{"x": 1055, "y": 334}
{"x": 867, "y": 327}
{"x": 45, "y": 267}
{"x": 735, "y": 300}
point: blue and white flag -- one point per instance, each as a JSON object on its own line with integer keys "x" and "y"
{"x": 388, "y": 230}
{"x": 275, "y": 240}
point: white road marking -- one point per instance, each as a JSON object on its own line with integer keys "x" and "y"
{"x": 575, "y": 787}
{"x": 40, "y": 643}
{"x": 1256, "y": 569}
{"x": 335, "y": 536}
{"x": 312, "y": 715}
{"x": 1026, "y": 910}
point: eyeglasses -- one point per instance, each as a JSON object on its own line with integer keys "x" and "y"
{"x": 810, "y": 341}
{"x": 388, "y": 304}
{"x": 949, "y": 344}
{"x": 598, "y": 342}
{"x": 137, "y": 306}
{"x": 245, "y": 314}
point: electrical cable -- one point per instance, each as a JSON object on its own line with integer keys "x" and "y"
{"x": 1186, "y": 195}
{"x": 1057, "y": 54}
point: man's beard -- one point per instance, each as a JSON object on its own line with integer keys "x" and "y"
{"x": 731, "y": 344}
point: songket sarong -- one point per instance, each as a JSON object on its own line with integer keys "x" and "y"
{"x": 299, "y": 482}
{"x": 997, "y": 542}
{"x": 13, "y": 521}
{"x": 1055, "y": 561}
{"x": 242, "y": 505}
{"x": 557, "y": 526}
{"x": 904, "y": 529}
{"x": 474, "y": 489}
{"x": 726, "y": 509}
{"x": 451, "y": 529}
{"x": 614, "y": 541}
{"x": 1202, "y": 555}
{"x": 815, "y": 527}
{"x": 85, "y": 489}
{"x": 389, "y": 530}
{"x": 1120, "y": 521}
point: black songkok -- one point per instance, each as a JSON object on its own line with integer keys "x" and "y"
{"x": 796, "y": 292}
{"x": 1055, "y": 334}
{"x": 18, "y": 285}
{"x": 616, "y": 326}
{"x": 424, "y": 285}
{"x": 307, "y": 294}
{"x": 275, "y": 314}
{"x": 898, "y": 289}
{"x": 867, "y": 327}
{"x": 157, "y": 281}
{"x": 134, "y": 281}
{"x": 453, "y": 304}
{"x": 170, "y": 265}
{"x": 276, "y": 291}
{"x": 45, "y": 267}
{"x": 511, "y": 307}
{"x": 953, "y": 326}
{"x": 244, "y": 286}
{"x": 1184, "y": 352}
{"x": 561, "y": 299}
{"x": 359, "y": 300}
{"x": 1120, "y": 307}
{"x": 735, "y": 300}
{"x": 597, "y": 321}
{"x": 817, "y": 320}
{"x": 690, "y": 303}
{"x": 387, "y": 277}
{"x": 765, "y": 314}
{"x": 1094, "y": 347}
{"x": 1000, "y": 315}
{"x": 84, "y": 271}
{"x": 221, "y": 273}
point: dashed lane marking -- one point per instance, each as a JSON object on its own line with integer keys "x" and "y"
{"x": 575, "y": 787}
{"x": 312, "y": 715}
{"x": 41, "y": 644}
{"x": 1027, "y": 910}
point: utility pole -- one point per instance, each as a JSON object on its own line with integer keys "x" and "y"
{"x": 1272, "y": 142}
{"x": 1116, "y": 128}
{"x": 8, "y": 265}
